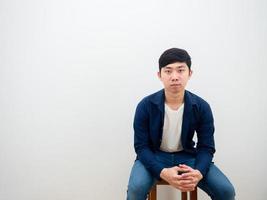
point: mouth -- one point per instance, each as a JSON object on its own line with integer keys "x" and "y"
{"x": 175, "y": 85}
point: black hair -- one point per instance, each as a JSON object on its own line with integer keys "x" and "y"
{"x": 174, "y": 55}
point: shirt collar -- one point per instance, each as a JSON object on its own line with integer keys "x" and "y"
{"x": 159, "y": 99}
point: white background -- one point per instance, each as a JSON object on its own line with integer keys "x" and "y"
{"x": 72, "y": 73}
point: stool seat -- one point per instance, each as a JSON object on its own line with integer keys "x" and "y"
{"x": 153, "y": 192}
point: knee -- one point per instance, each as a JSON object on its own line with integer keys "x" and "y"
{"x": 226, "y": 192}
{"x": 229, "y": 192}
{"x": 140, "y": 182}
{"x": 138, "y": 189}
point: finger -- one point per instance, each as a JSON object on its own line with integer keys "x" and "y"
{"x": 190, "y": 178}
{"x": 189, "y": 174}
{"x": 183, "y": 170}
{"x": 176, "y": 168}
{"x": 178, "y": 178}
{"x": 181, "y": 177}
{"x": 185, "y": 167}
{"x": 188, "y": 185}
{"x": 185, "y": 181}
{"x": 183, "y": 186}
{"x": 187, "y": 188}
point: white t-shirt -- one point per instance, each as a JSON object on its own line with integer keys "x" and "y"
{"x": 172, "y": 128}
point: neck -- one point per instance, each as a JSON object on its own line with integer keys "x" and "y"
{"x": 174, "y": 99}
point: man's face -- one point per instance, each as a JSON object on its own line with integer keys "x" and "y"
{"x": 175, "y": 76}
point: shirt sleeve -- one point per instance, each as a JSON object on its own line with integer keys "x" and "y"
{"x": 205, "y": 135}
{"x": 142, "y": 140}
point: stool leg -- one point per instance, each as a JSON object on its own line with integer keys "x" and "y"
{"x": 153, "y": 193}
{"x": 184, "y": 195}
{"x": 193, "y": 194}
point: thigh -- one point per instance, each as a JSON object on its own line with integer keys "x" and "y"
{"x": 217, "y": 185}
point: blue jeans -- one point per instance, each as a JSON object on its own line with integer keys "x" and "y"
{"x": 215, "y": 183}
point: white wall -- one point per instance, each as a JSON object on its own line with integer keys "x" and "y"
{"x": 72, "y": 72}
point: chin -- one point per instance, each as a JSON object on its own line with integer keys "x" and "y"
{"x": 175, "y": 90}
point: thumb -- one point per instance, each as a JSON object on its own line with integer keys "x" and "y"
{"x": 176, "y": 168}
{"x": 183, "y": 166}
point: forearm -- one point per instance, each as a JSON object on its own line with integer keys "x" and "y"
{"x": 203, "y": 161}
{"x": 147, "y": 157}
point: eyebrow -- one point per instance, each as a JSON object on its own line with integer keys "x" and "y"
{"x": 181, "y": 66}
{"x": 178, "y": 67}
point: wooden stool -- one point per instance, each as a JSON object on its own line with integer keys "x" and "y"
{"x": 153, "y": 192}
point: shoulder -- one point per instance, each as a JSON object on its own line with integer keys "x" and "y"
{"x": 155, "y": 98}
{"x": 149, "y": 102}
{"x": 195, "y": 99}
{"x": 198, "y": 102}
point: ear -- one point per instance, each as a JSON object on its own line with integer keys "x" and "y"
{"x": 190, "y": 73}
{"x": 159, "y": 75}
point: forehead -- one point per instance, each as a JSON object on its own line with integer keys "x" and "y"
{"x": 176, "y": 65}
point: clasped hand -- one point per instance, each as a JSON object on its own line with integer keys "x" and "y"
{"x": 182, "y": 177}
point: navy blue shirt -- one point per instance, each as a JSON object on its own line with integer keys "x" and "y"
{"x": 148, "y": 129}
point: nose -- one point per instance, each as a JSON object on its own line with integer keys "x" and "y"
{"x": 175, "y": 76}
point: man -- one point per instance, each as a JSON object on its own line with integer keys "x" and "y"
{"x": 164, "y": 125}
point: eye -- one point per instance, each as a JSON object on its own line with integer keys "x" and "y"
{"x": 167, "y": 71}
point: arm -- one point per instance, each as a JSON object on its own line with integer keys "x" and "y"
{"x": 205, "y": 135}
{"x": 143, "y": 142}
